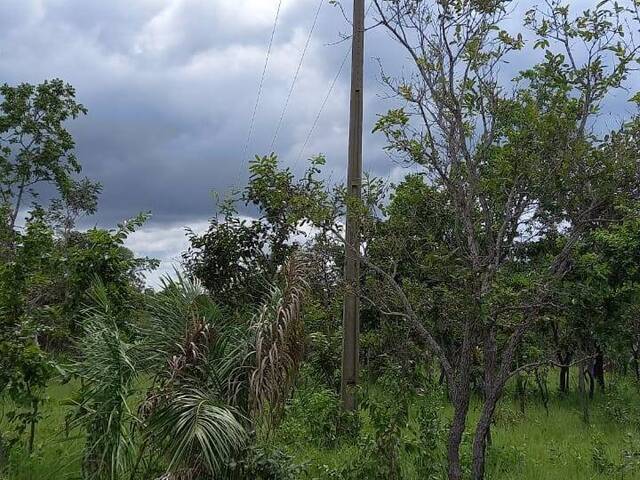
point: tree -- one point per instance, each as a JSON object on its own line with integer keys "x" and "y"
{"x": 81, "y": 198}
{"x": 24, "y": 367}
{"x": 513, "y": 168}
{"x": 47, "y": 266}
{"x": 35, "y": 146}
{"x": 236, "y": 254}
{"x": 614, "y": 253}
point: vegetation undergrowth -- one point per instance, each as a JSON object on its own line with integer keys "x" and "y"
{"x": 553, "y": 444}
{"x": 497, "y": 282}
{"x": 318, "y": 442}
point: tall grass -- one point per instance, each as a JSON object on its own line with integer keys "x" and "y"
{"x": 533, "y": 446}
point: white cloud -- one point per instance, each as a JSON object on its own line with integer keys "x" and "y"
{"x": 164, "y": 243}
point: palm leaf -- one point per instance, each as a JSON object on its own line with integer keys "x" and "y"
{"x": 279, "y": 341}
{"x": 198, "y": 434}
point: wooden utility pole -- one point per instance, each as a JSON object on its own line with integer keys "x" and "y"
{"x": 351, "y": 311}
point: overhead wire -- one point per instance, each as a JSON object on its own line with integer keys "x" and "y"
{"x": 323, "y": 105}
{"x": 296, "y": 74}
{"x": 261, "y": 83}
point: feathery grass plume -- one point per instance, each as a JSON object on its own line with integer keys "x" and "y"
{"x": 279, "y": 341}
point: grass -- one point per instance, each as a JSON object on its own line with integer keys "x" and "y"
{"x": 534, "y": 445}
{"x": 56, "y": 455}
{"x": 530, "y": 446}
{"x": 557, "y": 446}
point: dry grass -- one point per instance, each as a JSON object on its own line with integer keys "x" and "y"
{"x": 279, "y": 341}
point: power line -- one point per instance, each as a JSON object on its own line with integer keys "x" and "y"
{"x": 261, "y": 84}
{"x": 322, "y": 105}
{"x": 326, "y": 98}
{"x": 297, "y": 73}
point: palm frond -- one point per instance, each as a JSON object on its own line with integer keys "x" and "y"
{"x": 198, "y": 434}
{"x": 279, "y": 341}
{"x": 180, "y": 318}
{"x": 107, "y": 373}
{"x": 189, "y": 336}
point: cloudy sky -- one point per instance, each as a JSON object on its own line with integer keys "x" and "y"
{"x": 170, "y": 86}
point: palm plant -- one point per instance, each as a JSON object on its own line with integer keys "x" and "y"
{"x": 103, "y": 406}
{"x": 279, "y": 341}
{"x": 208, "y": 379}
{"x": 190, "y": 351}
{"x": 198, "y": 433}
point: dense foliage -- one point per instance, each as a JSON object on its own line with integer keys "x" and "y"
{"x": 505, "y": 262}
{"x": 47, "y": 265}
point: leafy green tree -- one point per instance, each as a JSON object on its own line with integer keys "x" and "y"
{"x": 47, "y": 267}
{"x": 81, "y": 198}
{"x": 513, "y": 167}
{"x": 234, "y": 256}
{"x": 101, "y": 254}
{"x": 24, "y": 368}
{"x": 614, "y": 253}
{"x": 35, "y": 146}
{"x": 42, "y": 293}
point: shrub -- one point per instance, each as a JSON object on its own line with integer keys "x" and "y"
{"x": 313, "y": 414}
{"x": 261, "y": 463}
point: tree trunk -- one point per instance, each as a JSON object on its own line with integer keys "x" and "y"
{"x": 636, "y": 361}
{"x": 598, "y": 370}
{"x": 442, "y": 377}
{"x": 32, "y": 424}
{"x": 543, "y": 389}
{"x": 480, "y": 437}
{"x": 455, "y": 438}
{"x": 460, "y": 395}
{"x": 521, "y": 387}
{"x": 564, "y": 379}
{"x": 584, "y": 401}
{"x": 491, "y": 370}
{"x": 564, "y": 371}
{"x": 494, "y": 388}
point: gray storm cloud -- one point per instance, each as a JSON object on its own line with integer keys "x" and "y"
{"x": 170, "y": 86}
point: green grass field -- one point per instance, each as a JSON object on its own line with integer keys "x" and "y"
{"x": 56, "y": 455}
{"x": 530, "y": 446}
{"x": 535, "y": 445}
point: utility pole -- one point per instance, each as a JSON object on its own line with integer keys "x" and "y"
{"x": 351, "y": 311}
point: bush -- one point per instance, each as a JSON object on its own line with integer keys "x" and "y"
{"x": 323, "y": 357}
{"x": 402, "y": 441}
{"x": 430, "y": 434}
{"x": 262, "y": 463}
{"x": 314, "y": 414}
